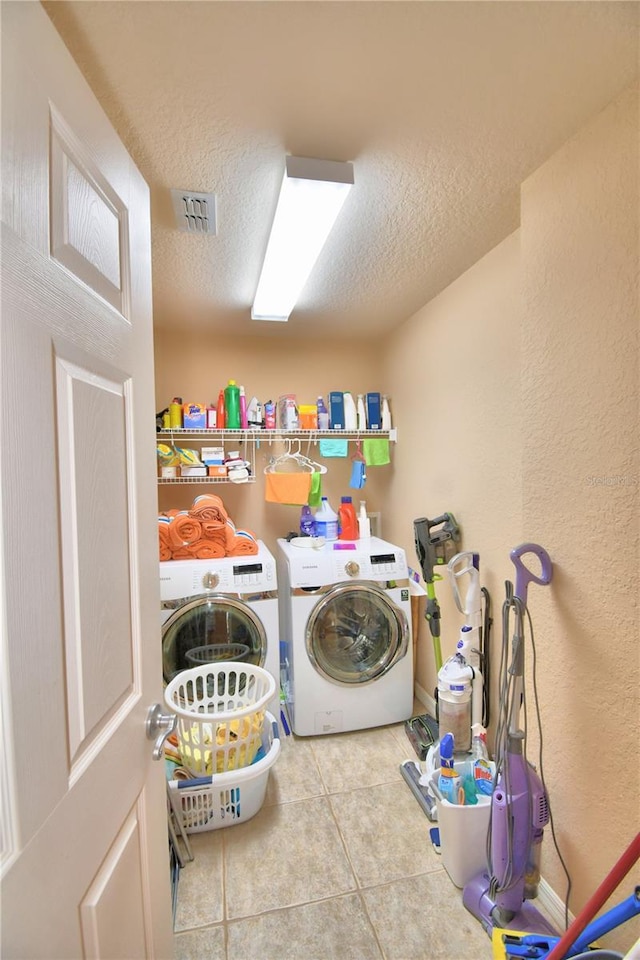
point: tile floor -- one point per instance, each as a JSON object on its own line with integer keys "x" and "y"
{"x": 337, "y": 865}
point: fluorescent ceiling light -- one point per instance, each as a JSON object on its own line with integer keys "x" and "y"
{"x": 311, "y": 197}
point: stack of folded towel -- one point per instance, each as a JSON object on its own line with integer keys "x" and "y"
{"x": 204, "y": 532}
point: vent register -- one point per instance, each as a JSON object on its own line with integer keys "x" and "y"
{"x": 194, "y": 212}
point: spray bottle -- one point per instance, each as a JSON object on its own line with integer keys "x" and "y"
{"x": 220, "y": 411}
{"x": 364, "y": 523}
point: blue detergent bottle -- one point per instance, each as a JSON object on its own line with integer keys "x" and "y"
{"x": 307, "y": 523}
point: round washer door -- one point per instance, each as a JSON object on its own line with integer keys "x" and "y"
{"x": 356, "y": 633}
{"x": 212, "y": 628}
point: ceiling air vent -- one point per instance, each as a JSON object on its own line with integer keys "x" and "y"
{"x": 194, "y": 212}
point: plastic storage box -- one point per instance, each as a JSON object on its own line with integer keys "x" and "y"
{"x": 228, "y": 798}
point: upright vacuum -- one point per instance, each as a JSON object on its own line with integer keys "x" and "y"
{"x": 499, "y": 896}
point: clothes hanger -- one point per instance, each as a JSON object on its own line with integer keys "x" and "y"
{"x": 315, "y": 466}
{"x": 288, "y": 458}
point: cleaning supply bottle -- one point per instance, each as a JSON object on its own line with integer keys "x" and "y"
{"x": 481, "y": 766}
{"x": 364, "y": 524}
{"x": 220, "y": 413}
{"x": 479, "y": 742}
{"x": 350, "y": 413}
{"x": 386, "y": 414}
{"x": 449, "y": 779}
{"x": 232, "y": 405}
{"x": 326, "y": 520}
{"x": 347, "y": 520}
{"x": 175, "y": 412}
{"x": 270, "y": 415}
{"x": 323, "y": 414}
{"x": 244, "y": 422}
{"x": 307, "y": 523}
{"x": 362, "y": 413}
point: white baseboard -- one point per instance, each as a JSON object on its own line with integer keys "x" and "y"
{"x": 551, "y": 906}
{"x": 425, "y": 699}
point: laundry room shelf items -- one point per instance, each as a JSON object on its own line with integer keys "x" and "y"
{"x": 253, "y": 440}
{"x": 230, "y": 797}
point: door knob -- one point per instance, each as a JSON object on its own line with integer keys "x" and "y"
{"x": 158, "y": 726}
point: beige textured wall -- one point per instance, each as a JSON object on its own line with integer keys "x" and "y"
{"x": 580, "y": 481}
{"x": 196, "y": 368}
{"x": 455, "y": 371}
{"x": 518, "y": 386}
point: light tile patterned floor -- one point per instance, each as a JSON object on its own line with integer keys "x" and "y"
{"x": 337, "y": 865}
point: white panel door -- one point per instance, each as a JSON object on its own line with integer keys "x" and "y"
{"x": 85, "y": 864}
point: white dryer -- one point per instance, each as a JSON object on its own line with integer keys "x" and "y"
{"x": 224, "y": 609}
{"x": 345, "y": 627}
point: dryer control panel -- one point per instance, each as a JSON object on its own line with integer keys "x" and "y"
{"x": 180, "y": 579}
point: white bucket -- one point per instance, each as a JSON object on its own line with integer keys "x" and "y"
{"x": 463, "y": 836}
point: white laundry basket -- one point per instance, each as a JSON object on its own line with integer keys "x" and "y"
{"x": 221, "y": 709}
{"x": 228, "y": 798}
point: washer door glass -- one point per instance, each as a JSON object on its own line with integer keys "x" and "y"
{"x": 356, "y": 633}
{"x": 209, "y": 629}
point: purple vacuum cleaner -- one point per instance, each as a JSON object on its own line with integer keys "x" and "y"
{"x": 499, "y": 896}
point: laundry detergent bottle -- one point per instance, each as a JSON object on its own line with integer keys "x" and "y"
{"x": 232, "y": 405}
{"x": 326, "y": 521}
{"x": 348, "y": 521}
{"x": 307, "y": 522}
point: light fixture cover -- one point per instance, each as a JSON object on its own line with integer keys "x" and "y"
{"x": 311, "y": 197}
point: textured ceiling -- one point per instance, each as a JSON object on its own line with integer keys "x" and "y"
{"x": 443, "y": 108}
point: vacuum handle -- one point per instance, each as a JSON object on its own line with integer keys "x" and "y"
{"x": 458, "y": 567}
{"x": 524, "y": 576}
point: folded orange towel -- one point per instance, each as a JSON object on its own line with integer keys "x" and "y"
{"x": 244, "y": 544}
{"x": 206, "y": 550}
{"x": 210, "y": 528}
{"x": 164, "y": 542}
{"x": 183, "y": 530}
{"x": 208, "y": 507}
{"x": 181, "y": 553}
{"x": 292, "y": 488}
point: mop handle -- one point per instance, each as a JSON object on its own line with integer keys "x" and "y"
{"x": 600, "y": 897}
{"x": 524, "y": 576}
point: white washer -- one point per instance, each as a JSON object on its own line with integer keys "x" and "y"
{"x": 345, "y": 627}
{"x": 224, "y": 609}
